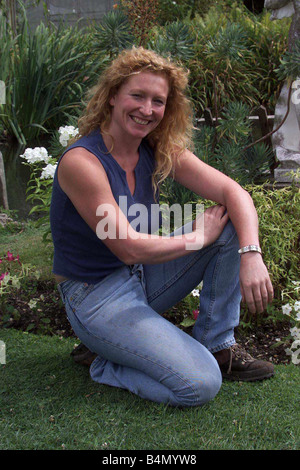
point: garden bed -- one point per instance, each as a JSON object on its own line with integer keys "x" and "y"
{"x": 40, "y": 310}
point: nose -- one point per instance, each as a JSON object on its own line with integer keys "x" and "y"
{"x": 146, "y": 108}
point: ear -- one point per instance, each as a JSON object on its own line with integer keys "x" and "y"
{"x": 112, "y": 100}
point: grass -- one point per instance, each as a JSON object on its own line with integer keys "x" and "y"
{"x": 49, "y": 402}
{"x": 27, "y": 241}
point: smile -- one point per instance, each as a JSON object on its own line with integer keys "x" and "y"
{"x": 140, "y": 121}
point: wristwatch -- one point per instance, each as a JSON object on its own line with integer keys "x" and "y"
{"x": 247, "y": 248}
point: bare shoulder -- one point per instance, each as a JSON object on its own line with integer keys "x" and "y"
{"x": 83, "y": 178}
{"x": 80, "y": 167}
{"x": 80, "y": 157}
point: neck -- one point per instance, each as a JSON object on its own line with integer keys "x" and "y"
{"x": 125, "y": 154}
{"x": 123, "y": 148}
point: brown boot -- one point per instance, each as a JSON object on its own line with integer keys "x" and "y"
{"x": 236, "y": 364}
{"x": 82, "y": 355}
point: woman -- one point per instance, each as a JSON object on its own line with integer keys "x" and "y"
{"x": 115, "y": 279}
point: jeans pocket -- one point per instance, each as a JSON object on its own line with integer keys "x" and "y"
{"x": 79, "y": 294}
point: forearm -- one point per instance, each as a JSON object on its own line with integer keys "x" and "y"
{"x": 153, "y": 249}
{"x": 243, "y": 215}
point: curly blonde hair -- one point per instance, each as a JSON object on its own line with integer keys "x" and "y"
{"x": 173, "y": 134}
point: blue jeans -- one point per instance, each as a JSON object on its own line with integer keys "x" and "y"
{"x": 138, "y": 350}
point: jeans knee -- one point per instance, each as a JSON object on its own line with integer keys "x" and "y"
{"x": 209, "y": 388}
{"x": 201, "y": 390}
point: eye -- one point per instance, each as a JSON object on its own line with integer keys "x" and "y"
{"x": 159, "y": 101}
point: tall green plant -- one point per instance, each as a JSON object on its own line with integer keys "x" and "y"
{"x": 48, "y": 71}
{"x": 225, "y": 150}
{"x": 253, "y": 77}
{"x": 176, "y": 40}
{"x": 113, "y": 33}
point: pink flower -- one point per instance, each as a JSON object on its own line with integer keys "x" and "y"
{"x": 2, "y": 276}
{"x": 195, "y": 314}
{"x": 10, "y": 256}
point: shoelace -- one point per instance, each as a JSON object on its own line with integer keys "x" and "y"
{"x": 237, "y": 352}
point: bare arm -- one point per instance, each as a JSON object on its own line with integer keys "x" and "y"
{"x": 207, "y": 182}
{"x": 211, "y": 184}
{"x": 83, "y": 178}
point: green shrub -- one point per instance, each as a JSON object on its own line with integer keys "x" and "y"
{"x": 47, "y": 71}
{"x": 113, "y": 33}
{"x": 253, "y": 77}
{"x": 279, "y": 221}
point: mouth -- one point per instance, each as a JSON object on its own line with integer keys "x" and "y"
{"x": 142, "y": 122}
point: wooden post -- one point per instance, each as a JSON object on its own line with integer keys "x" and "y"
{"x": 208, "y": 118}
{"x": 3, "y": 192}
{"x": 264, "y": 124}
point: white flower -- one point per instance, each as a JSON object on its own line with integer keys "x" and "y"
{"x": 297, "y": 306}
{"x": 296, "y": 354}
{"x": 32, "y": 303}
{"x": 38, "y": 154}
{"x": 65, "y": 133}
{"x": 48, "y": 171}
{"x": 286, "y": 309}
{"x": 296, "y": 357}
{"x": 295, "y": 332}
{"x": 195, "y": 293}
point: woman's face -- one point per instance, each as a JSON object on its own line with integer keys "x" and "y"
{"x": 139, "y": 105}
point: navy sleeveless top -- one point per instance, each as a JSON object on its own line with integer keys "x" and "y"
{"x": 78, "y": 252}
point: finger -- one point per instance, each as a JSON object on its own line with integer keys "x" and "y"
{"x": 250, "y": 300}
{"x": 270, "y": 291}
{"x": 243, "y": 294}
{"x": 260, "y": 296}
{"x": 251, "y": 304}
{"x": 219, "y": 209}
{"x": 225, "y": 218}
{"x": 264, "y": 296}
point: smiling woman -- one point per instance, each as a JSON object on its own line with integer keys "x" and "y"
{"x": 137, "y": 109}
{"x": 136, "y": 132}
{"x": 171, "y": 132}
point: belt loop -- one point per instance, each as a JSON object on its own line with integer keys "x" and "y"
{"x": 61, "y": 293}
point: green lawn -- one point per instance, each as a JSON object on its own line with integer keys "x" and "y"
{"x": 48, "y": 402}
{"x": 28, "y": 243}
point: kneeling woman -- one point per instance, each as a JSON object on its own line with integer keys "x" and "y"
{"x": 116, "y": 281}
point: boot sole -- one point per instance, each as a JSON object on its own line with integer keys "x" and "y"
{"x": 239, "y": 378}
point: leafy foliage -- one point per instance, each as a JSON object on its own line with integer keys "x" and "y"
{"x": 46, "y": 73}
{"x": 223, "y": 147}
{"x": 229, "y": 45}
{"x": 175, "y": 40}
{"x": 113, "y": 33}
{"x": 290, "y": 63}
{"x": 279, "y": 214}
{"x": 142, "y": 16}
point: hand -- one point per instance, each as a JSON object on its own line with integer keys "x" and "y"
{"x": 211, "y": 223}
{"x": 256, "y": 286}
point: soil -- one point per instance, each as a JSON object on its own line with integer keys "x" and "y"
{"x": 48, "y": 317}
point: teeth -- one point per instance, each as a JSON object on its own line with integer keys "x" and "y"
{"x": 139, "y": 121}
